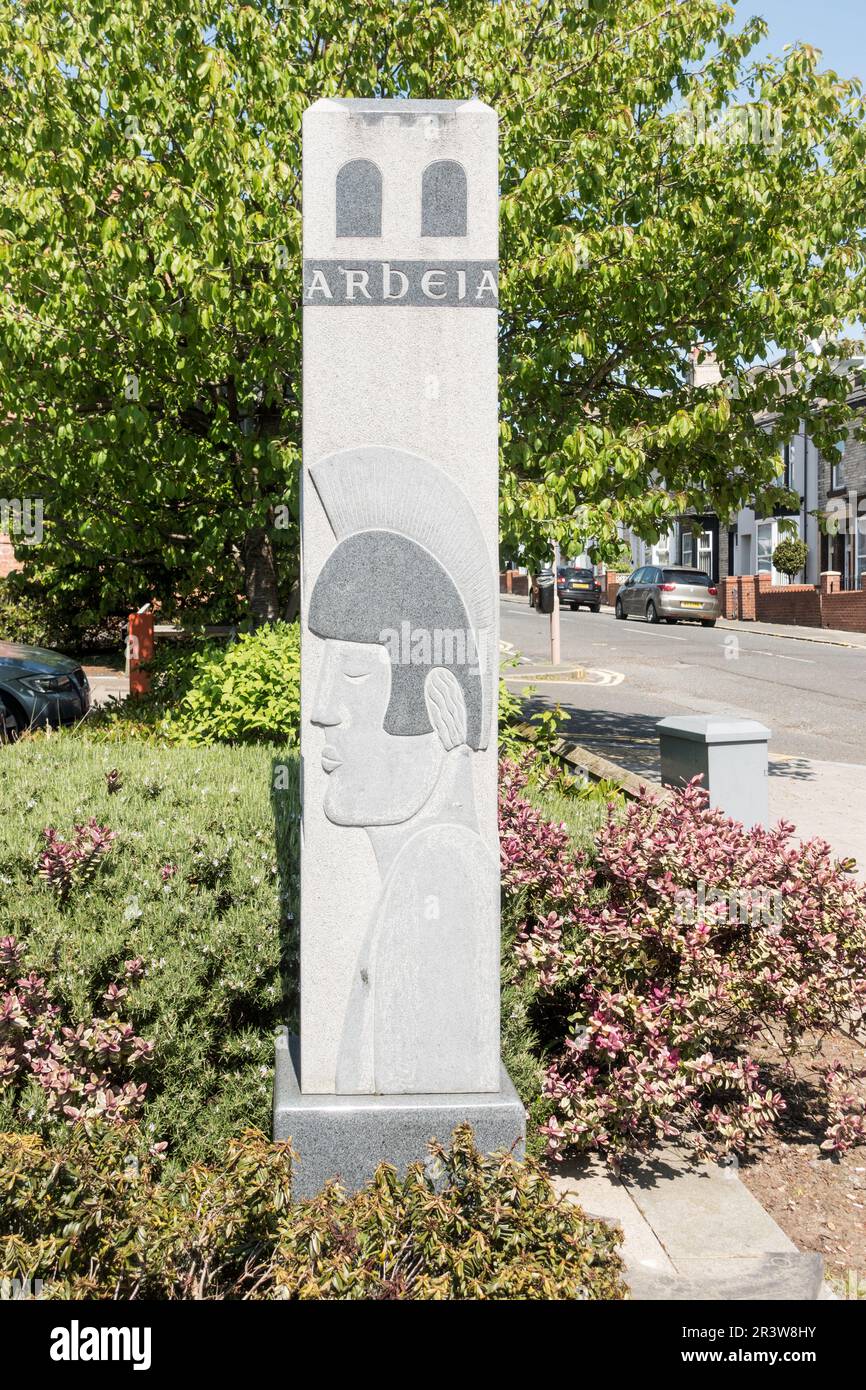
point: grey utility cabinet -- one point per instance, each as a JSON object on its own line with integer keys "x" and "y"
{"x": 730, "y": 754}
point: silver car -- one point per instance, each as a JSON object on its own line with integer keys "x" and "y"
{"x": 672, "y": 592}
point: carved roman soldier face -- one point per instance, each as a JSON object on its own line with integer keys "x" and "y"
{"x": 400, "y": 682}
{"x": 374, "y": 777}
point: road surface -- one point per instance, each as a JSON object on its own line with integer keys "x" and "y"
{"x": 811, "y": 695}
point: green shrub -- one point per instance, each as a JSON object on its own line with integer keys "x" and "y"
{"x": 191, "y": 888}
{"x": 44, "y": 615}
{"x": 790, "y": 556}
{"x": 92, "y": 1219}
{"x": 248, "y": 691}
{"x": 520, "y": 728}
{"x": 204, "y": 691}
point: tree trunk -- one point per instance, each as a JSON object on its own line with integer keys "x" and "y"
{"x": 294, "y": 604}
{"x": 260, "y": 576}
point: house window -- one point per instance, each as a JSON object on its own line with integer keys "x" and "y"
{"x": 705, "y": 552}
{"x": 688, "y": 548}
{"x": 837, "y": 468}
{"x": 765, "y": 538}
{"x": 661, "y": 551}
{"x": 786, "y": 465}
{"x": 359, "y": 199}
{"x": 443, "y": 199}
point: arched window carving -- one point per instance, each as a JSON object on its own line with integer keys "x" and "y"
{"x": 443, "y": 199}
{"x": 359, "y": 199}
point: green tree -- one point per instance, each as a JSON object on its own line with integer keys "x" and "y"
{"x": 661, "y": 194}
{"x": 790, "y": 556}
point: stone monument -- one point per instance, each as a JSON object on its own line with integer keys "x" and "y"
{"x": 399, "y": 1035}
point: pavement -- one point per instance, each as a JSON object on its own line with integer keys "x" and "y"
{"x": 805, "y": 684}
{"x": 106, "y": 684}
{"x": 692, "y": 1230}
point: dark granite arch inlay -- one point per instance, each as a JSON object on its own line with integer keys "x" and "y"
{"x": 443, "y": 199}
{"x": 359, "y": 199}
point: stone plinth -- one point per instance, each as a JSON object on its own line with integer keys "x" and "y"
{"x": 347, "y": 1137}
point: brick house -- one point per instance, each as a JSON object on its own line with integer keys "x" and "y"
{"x": 835, "y": 488}
{"x": 842, "y": 500}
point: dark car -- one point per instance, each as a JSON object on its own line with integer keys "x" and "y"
{"x": 578, "y": 586}
{"x": 39, "y": 687}
{"x": 533, "y": 584}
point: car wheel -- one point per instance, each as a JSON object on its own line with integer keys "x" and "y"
{"x": 708, "y": 622}
{"x": 618, "y": 610}
{"x": 593, "y": 608}
{"x": 574, "y": 607}
{"x": 670, "y": 620}
{"x": 652, "y": 613}
{"x": 10, "y": 724}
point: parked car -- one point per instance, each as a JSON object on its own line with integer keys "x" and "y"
{"x": 39, "y": 687}
{"x": 574, "y": 587}
{"x": 578, "y": 587}
{"x": 673, "y": 592}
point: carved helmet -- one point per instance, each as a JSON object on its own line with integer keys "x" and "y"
{"x": 411, "y": 572}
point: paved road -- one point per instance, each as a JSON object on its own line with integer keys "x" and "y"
{"x": 811, "y": 695}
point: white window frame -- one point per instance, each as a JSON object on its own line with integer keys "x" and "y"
{"x": 661, "y": 551}
{"x": 767, "y": 566}
{"x": 704, "y": 552}
{"x": 787, "y": 474}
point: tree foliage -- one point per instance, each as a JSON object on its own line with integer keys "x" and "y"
{"x": 790, "y": 556}
{"x": 660, "y": 194}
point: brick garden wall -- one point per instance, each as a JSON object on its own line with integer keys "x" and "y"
{"x": 788, "y": 603}
{"x": 753, "y": 597}
{"x": 612, "y": 585}
{"x": 8, "y": 563}
{"x": 511, "y": 583}
{"x": 845, "y": 611}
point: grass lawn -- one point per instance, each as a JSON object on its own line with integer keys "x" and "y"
{"x": 201, "y": 884}
{"x": 581, "y": 816}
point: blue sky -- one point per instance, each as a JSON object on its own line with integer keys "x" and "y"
{"x": 837, "y": 27}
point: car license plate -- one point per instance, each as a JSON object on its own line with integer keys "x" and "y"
{"x": 581, "y": 586}
{"x": 691, "y": 603}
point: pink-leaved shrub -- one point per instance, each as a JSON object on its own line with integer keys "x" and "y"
{"x": 87, "y": 1070}
{"x": 67, "y": 864}
{"x": 658, "y": 959}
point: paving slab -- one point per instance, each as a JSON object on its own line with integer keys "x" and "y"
{"x": 603, "y": 1195}
{"x": 765, "y": 1278}
{"x": 701, "y": 1210}
{"x": 692, "y": 1230}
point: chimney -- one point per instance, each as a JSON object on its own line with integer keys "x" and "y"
{"x": 705, "y": 372}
